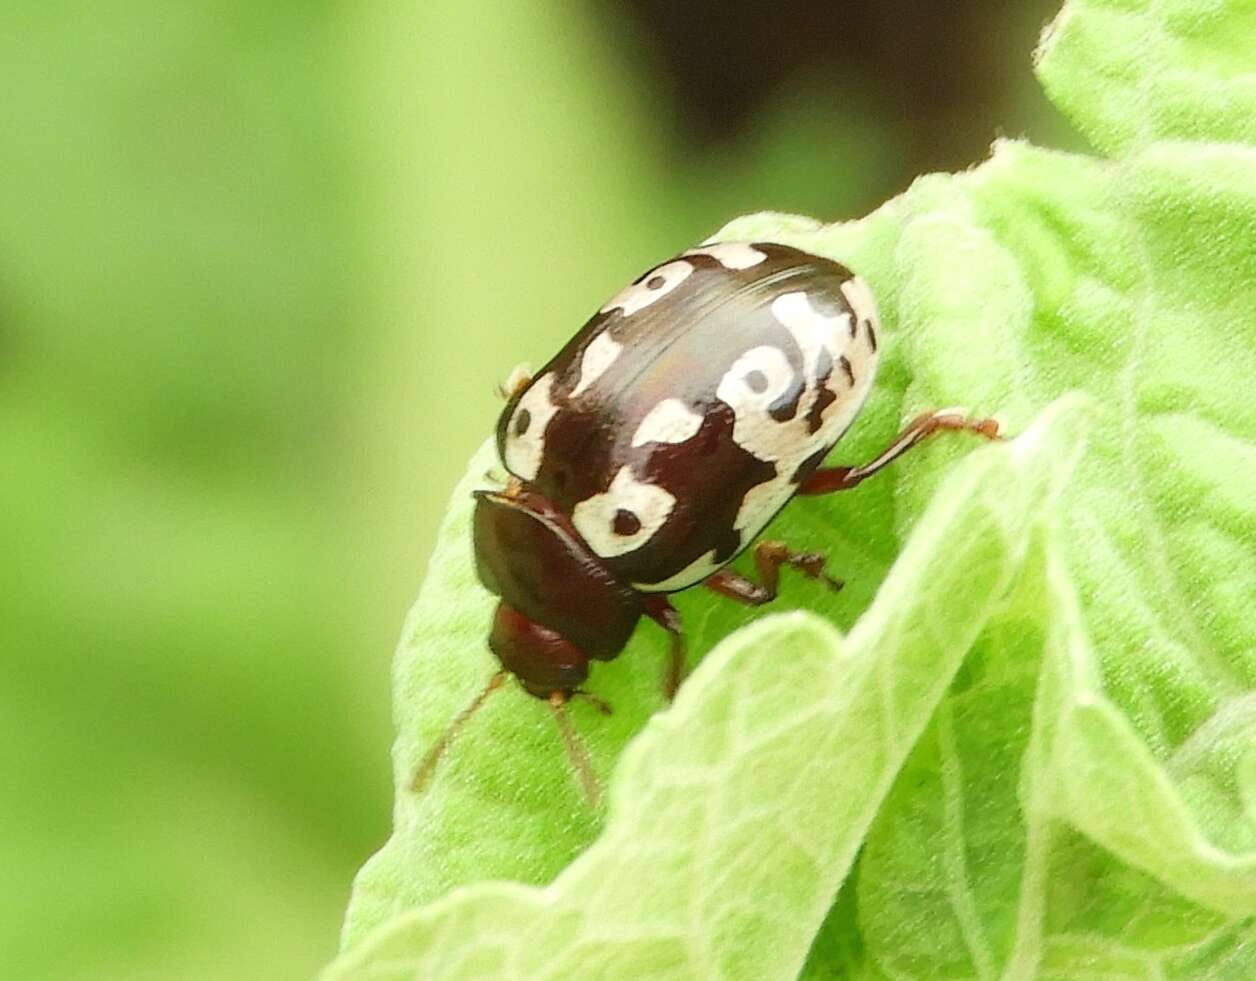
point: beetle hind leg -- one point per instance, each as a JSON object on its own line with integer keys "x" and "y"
{"x": 829, "y": 479}
{"x": 769, "y": 557}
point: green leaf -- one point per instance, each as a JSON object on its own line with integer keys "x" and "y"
{"x": 1047, "y": 732}
{"x": 1130, "y": 72}
{"x": 708, "y": 860}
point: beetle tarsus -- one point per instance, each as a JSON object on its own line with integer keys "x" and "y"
{"x": 769, "y": 556}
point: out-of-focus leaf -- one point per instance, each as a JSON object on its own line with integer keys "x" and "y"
{"x": 1131, "y": 73}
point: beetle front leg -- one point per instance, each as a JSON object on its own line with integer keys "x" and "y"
{"x": 829, "y": 479}
{"x": 520, "y": 377}
{"x": 662, "y": 612}
{"x": 768, "y": 559}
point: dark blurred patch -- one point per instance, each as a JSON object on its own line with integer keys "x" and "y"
{"x": 941, "y": 71}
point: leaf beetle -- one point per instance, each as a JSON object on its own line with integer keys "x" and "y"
{"x": 655, "y": 446}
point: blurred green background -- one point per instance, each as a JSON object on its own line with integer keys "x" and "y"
{"x": 261, "y": 264}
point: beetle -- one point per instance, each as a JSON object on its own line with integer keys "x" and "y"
{"x": 654, "y": 447}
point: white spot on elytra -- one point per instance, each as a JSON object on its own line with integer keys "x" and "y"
{"x": 671, "y": 421}
{"x": 525, "y": 444}
{"x": 756, "y": 380}
{"x": 598, "y": 356}
{"x": 860, "y": 298}
{"x": 654, "y": 285}
{"x": 731, "y": 255}
{"x": 788, "y": 443}
{"x": 809, "y": 326}
{"x": 594, "y": 518}
{"x": 697, "y": 570}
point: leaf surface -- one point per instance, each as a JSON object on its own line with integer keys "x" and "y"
{"x": 711, "y": 860}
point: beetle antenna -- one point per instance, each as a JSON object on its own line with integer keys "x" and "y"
{"x": 576, "y": 752}
{"x": 600, "y": 704}
{"x": 428, "y": 765}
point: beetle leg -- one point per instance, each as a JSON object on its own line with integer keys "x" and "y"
{"x": 828, "y": 479}
{"x": 520, "y": 377}
{"x": 768, "y": 558}
{"x": 662, "y": 612}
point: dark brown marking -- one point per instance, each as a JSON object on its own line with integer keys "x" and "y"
{"x": 808, "y": 466}
{"x": 786, "y": 407}
{"x": 655, "y": 283}
{"x": 872, "y": 335}
{"x": 847, "y": 369}
{"x": 626, "y": 523}
{"x": 824, "y": 397}
{"x": 522, "y": 422}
